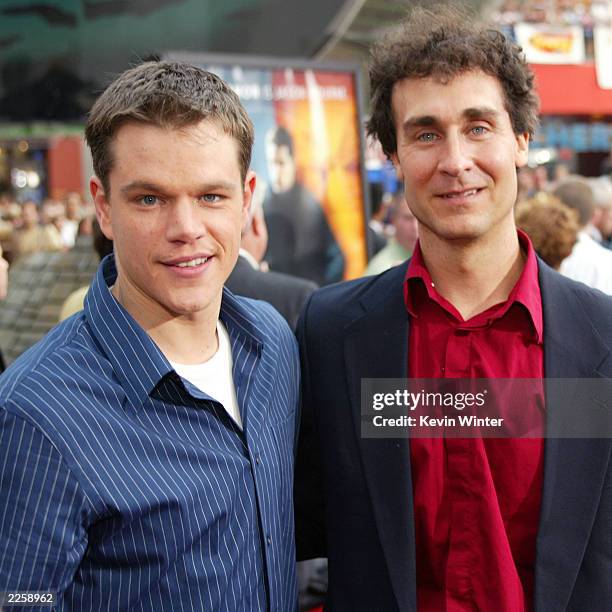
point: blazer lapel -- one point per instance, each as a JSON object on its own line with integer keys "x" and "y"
{"x": 574, "y": 469}
{"x": 376, "y": 346}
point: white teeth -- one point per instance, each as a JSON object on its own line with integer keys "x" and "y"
{"x": 469, "y": 192}
{"x": 192, "y": 263}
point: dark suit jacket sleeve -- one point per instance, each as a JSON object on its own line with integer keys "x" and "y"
{"x": 594, "y": 583}
{"x": 309, "y": 510}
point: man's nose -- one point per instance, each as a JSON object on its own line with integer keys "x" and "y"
{"x": 184, "y": 222}
{"x": 456, "y": 155}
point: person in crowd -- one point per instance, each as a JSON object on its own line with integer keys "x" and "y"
{"x": 10, "y": 210}
{"x": 4, "y": 266}
{"x": 300, "y": 239}
{"x": 54, "y": 213}
{"x": 74, "y": 303}
{"x": 377, "y": 235}
{"x": 402, "y": 243}
{"x": 7, "y": 214}
{"x": 70, "y": 223}
{"x": 285, "y": 292}
{"x": 86, "y": 227}
{"x": 531, "y": 181}
{"x": 526, "y": 184}
{"x": 466, "y": 523}
{"x": 589, "y": 262}
{"x": 3, "y": 275}
{"x": 32, "y": 237}
{"x": 551, "y": 226}
{"x": 602, "y": 221}
{"x": 147, "y": 444}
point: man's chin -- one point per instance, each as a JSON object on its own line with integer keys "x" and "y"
{"x": 464, "y": 232}
{"x": 187, "y": 309}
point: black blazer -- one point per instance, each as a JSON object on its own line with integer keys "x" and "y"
{"x": 354, "y": 495}
{"x": 286, "y": 293}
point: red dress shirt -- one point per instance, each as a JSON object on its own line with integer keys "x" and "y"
{"x": 476, "y": 501}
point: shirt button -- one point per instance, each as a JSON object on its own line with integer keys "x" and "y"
{"x": 257, "y": 459}
{"x": 269, "y": 540}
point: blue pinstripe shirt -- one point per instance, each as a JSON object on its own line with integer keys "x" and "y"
{"x": 123, "y": 487}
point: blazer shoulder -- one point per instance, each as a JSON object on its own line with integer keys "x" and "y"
{"x": 345, "y": 301}
{"x": 565, "y": 294}
{"x": 292, "y": 283}
{"x": 286, "y": 293}
{"x": 597, "y": 307}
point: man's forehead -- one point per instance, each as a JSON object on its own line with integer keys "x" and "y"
{"x": 426, "y": 97}
{"x": 444, "y": 85}
{"x": 197, "y": 155}
{"x": 144, "y": 138}
{"x": 203, "y": 130}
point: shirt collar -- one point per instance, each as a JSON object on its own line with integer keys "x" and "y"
{"x": 526, "y": 291}
{"x": 137, "y": 361}
{"x": 250, "y": 259}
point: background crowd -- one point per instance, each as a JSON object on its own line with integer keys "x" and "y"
{"x": 568, "y": 218}
{"x": 28, "y": 227}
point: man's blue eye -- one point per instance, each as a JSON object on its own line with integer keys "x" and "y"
{"x": 149, "y": 200}
{"x": 210, "y": 198}
{"x": 479, "y": 129}
{"x": 427, "y": 137}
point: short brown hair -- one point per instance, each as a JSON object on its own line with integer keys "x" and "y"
{"x": 166, "y": 94}
{"x": 445, "y": 44}
{"x": 576, "y": 193}
{"x": 551, "y": 225}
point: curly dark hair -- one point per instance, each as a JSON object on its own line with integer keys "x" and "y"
{"x": 444, "y": 44}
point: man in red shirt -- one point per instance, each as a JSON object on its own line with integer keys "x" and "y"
{"x": 447, "y": 523}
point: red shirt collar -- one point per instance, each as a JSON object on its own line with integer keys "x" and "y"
{"x": 526, "y": 291}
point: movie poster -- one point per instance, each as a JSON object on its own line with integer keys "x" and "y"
{"x": 308, "y": 160}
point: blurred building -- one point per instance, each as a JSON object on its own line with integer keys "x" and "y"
{"x": 569, "y": 45}
{"x": 56, "y": 56}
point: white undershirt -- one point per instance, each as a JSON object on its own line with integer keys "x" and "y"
{"x": 214, "y": 377}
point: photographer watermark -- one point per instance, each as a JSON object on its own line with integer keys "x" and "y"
{"x": 486, "y": 408}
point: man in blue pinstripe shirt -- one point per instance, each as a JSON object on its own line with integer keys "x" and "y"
{"x": 146, "y": 443}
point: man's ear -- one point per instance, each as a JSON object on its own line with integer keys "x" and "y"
{"x": 103, "y": 207}
{"x": 522, "y": 150}
{"x": 250, "y": 182}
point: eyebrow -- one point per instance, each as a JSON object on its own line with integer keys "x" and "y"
{"x": 478, "y": 112}
{"x": 152, "y": 187}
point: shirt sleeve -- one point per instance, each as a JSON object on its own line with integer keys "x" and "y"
{"x": 43, "y": 511}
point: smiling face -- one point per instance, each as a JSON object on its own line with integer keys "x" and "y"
{"x": 458, "y": 155}
{"x": 176, "y": 208}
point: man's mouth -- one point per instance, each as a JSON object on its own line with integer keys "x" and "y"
{"x": 466, "y": 193}
{"x": 192, "y": 263}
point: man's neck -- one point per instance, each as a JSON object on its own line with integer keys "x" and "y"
{"x": 186, "y": 342}
{"x": 182, "y": 339}
{"x": 473, "y": 275}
